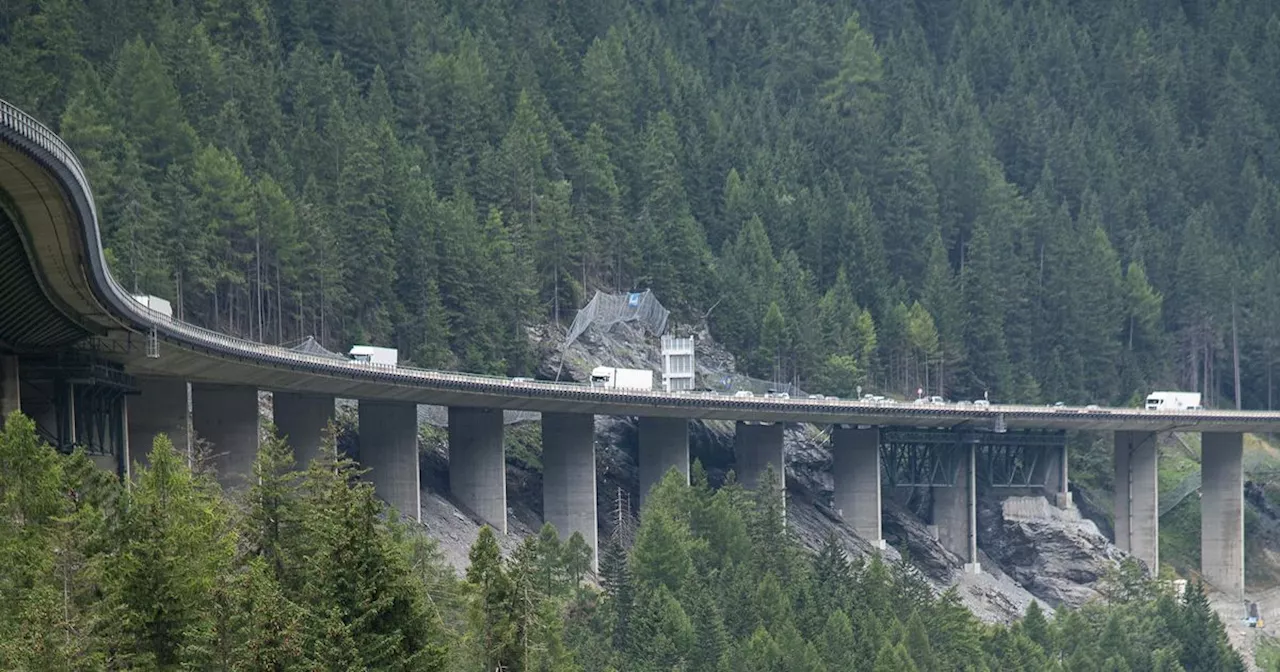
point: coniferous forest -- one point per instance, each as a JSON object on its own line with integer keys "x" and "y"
{"x": 302, "y": 571}
{"x": 1038, "y": 200}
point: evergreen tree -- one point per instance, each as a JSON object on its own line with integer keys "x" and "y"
{"x": 490, "y": 612}
{"x": 159, "y": 606}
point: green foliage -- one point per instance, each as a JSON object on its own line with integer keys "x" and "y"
{"x": 167, "y": 574}
{"x": 304, "y": 571}
{"x": 966, "y": 197}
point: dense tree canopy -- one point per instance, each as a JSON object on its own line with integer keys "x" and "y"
{"x": 305, "y": 570}
{"x": 1039, "y": 200}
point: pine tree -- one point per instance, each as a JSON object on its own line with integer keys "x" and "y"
{"x": 664, "y": 542}
{"x": 358, "y": 586}
{"x": 490, "y": 612}
{"x": 894, "y": 657}
{"x": 615, "y": 577}
{"x": 40, "y": 553}
{"x": 576, "y": 559}
{"x": 272, "y": 500}
{"x": 768, "y": 526}
{"x": 159, "y": 588}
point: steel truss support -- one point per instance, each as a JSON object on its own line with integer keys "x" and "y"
{"x": 87, "y": 395}
{"x": 931, "y": 458}
{"x": 919, "y": 464}
{"x": 1014, "y": 466}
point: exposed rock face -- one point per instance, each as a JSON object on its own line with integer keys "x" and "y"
{"x": 1054, "y": 553}
{"x": 905, "y": 531}
{"x": 1055, "y": 557}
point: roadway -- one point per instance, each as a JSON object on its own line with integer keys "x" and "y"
{"x": 46, "y": 198}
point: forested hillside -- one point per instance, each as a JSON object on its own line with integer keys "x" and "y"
{"x": 1043, "y": 200}
{"x": 301, "y": 571}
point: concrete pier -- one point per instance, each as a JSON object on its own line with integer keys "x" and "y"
{"x": 10, "y": 396}
{"x": 1055, "y": 480}
{"x": 856, "y": 470}
{"x": 477, "y": 463}
{"x": 163, "y": 407}
{"x": 1137, "y": 497}
{"x": 755, "y": 447}
{"x": 955, "y": 510}
{"x": 302, "y": 419}
{"x": 664, "y": 443}
{"x": 1222, "y": 511}
{"x": 389, "y": 449}
{"x": 569, "y": 476}
{"x": 227, "y": 417}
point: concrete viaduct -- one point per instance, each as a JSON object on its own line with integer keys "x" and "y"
{"x": 97, "y": 369}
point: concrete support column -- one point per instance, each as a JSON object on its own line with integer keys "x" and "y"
{"x": 569, "y": 476}
{"x": 955, "y": 510}
{"x": 1055, "y": 479}
{"x": 227, "y": 417}
{"x": 856, "y": 470}
{"x": 664, "y": 443}
{"x": 302, "y": 419}
{"x": 162, "y": 407}
{"x": 1222, "y": 511}
{"x": 755, "y": 447}
{"x": 1137, "y": 497}
{"x": 389, "y": 449}
{"x": 477, "y": 463}
{"x": 10, "y": 397}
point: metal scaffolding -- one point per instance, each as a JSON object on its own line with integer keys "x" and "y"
{"x": 931, "y": 457}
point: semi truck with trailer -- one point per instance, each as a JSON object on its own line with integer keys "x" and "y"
{"x": 612, "y": 377}
{"x": 375, "y": 355}
{"x": 1173, "y": 401}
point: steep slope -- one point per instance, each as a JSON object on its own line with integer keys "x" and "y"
{"x": 1030, "y": 550}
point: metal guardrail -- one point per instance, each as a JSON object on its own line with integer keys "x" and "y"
{"x": 188, "y": 335}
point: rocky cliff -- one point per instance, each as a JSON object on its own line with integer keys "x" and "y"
{"x": 1030, "y": 550}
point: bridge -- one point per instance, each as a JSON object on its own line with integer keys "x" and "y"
{"x": 97, "y": 369}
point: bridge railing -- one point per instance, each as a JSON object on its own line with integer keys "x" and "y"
{"x": 49, "y": 141}
{"x": 33, "y": 131}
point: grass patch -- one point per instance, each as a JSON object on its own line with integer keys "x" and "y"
{"x": 1266, "y": 652}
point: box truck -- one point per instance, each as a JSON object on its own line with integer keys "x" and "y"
{"x": 1173, "y": 401}
{"x": 374, "y": 355}
{"x": 622, "y": 379}
{"x": 155, "y": 304}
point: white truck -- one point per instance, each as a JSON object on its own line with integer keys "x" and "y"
{"x": 1173, "y": 401}
{"x": 155, "y": 304}
{"x": 375, "y": 355}
{"x": 621, "y": 379}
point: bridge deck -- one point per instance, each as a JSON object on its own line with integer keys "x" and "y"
{"x": 46, "y": 190}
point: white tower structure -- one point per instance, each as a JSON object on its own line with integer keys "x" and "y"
{"x": 677, "y": 363}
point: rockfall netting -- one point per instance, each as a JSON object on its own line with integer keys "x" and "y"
{"x": 605, "y": 310}
{"x": 311, "y": 346}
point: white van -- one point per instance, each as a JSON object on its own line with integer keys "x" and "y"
{"x": 1173, "y": 401}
